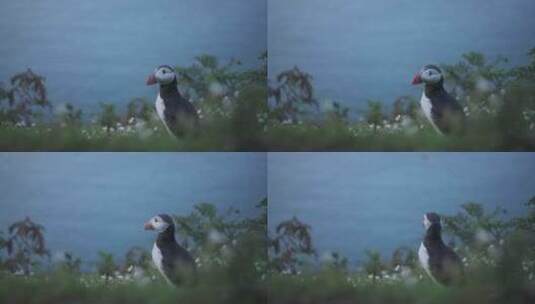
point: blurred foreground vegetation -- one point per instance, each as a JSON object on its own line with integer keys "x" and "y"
{"x": 498, "y": 252}
{"x": 241, "y": 110}
{"x": 229, "y": 250}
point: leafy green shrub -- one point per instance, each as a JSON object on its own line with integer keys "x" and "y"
{"x": 70, "y": 116}
{"x": 25, "y": 246}
{"x": 106, "y": 265}
{"x": 20, "y": 103}
{"x": 291, "y": 243}
{"x": 69, "y": 263}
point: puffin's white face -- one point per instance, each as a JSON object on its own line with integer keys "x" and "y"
{"x": 426, "y": 222}
{"x": 428, "y": 75}
{"x": 162, "y": 75}
{"x": 156, "y": 223}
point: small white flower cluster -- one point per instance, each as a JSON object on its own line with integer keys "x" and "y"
{"x": 401, "y": 124}
{"x": 219, "y": 252}
{"x": 529, "y": 116}
{"x": 133, "y": 127}
{"x": 400, "y": 274}
{"x": 133, "y": 274}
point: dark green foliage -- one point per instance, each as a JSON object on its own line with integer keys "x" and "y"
{"x": 291, "y": 243}
{"x": 337, "y": 114}
{"x": 293, "y": 95}
{"x": 226, "y": 239}
{"x": 527, "y": 223}
{"x": 527, "y": 73}
{"x": 337, "y": 263}
{"x": 25, "y": 246}
{"x": 108, "y": 118}
{"x": 404, "y": 256}
{"x": 86, "y": 289}
{"x": 374, "y": 264}
{"x": 138, "y": 257}
{"x": 70, "y": 264}
{"x": 71, "y": 116}
{"x": 139, "y": 108}
{"x": 206, "y": 77}
{"x": 229, "y": 246}
{"x": 470, "y": 224}
{"x": 374, "y": 115}
{"x": 405, "y": 106}
{"x": 20, "y": 103}
{"x": 106, "y": 265}
{"x": 246, "y": 121}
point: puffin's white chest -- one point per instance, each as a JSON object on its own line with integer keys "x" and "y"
{"x": 423, "y": 257}
{"x": 160, "y": 108}
{"x": 157, "y": 258}
{"x": 427, "y": 106}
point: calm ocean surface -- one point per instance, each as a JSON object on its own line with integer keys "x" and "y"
{"x": 102, "y": 51}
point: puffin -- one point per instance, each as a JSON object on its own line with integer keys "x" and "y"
{"x": 438, "y": 260}
{"x": 172, "y": 260}
{"x": 177, "y": 114}
{"x": 443, "y": 111}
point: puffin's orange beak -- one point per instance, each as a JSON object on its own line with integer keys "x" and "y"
{"x": 417, "y": 79}
{"x": 148, "y": 226}
{"x": 151, "y": 80}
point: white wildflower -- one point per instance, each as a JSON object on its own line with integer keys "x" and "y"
{"x": 483, "y": 85}
{"x": 216, "y": 88}
{"x": 216, "y": 237}
{"x": 483, "y": 237}
{"x": 327, "y": 257}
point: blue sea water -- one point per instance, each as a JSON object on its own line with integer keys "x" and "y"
{"x": 102, "y": 51}
{"x": 360, "y": 201}
{"x": 358, "y": 50}
{"x": 89, "y": 202}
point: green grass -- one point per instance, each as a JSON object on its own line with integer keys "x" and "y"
{"x": 56, "y": 288}
{"x": 323, "y": 287}
{"x": 224, "y": 136}
{"x": 43, "y": 138}
{"x": 338, "y": 137}
{"x": 339, "y": 288}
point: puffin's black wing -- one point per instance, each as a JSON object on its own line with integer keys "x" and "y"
{"x": 177, "y": 263}
{"x": 186, "y": 107}
{"x": 446, "y": 266}
{"x": 447, "y": 113}
{"x": 180, "y": 114}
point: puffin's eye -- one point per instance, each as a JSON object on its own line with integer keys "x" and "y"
{"x": 164, "y": 71}
{"x": 156, "y": 220}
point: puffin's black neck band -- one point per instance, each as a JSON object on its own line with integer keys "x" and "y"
{"x": 431, "y": 89}
{"x": 170, "y": 88}
{"x": 168, "y": 235}
{"x": 433, "y": 234}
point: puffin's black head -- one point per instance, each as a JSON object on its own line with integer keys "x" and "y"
{"x": 431, "y": 219}
{"x": 429, "y": 74}
{"x": 163, "y": 75}
{"x": 160, "y": 223}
